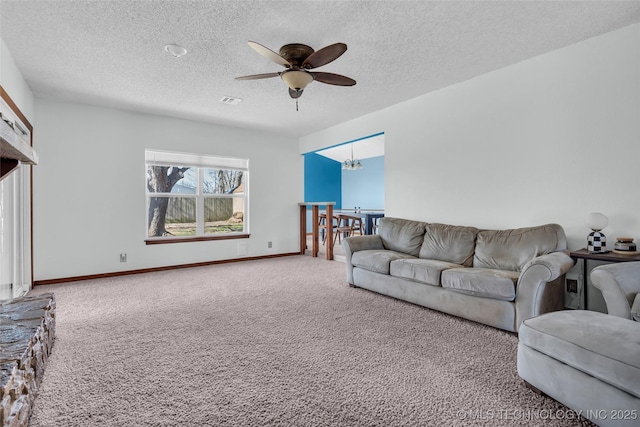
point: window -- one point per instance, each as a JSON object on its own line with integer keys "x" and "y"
{"x": 195, "y": 197}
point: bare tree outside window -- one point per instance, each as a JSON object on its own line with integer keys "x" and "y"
{"x": 221, "y": 181}
{"x": 176, "y": 193}
{"x": 161, "y": 179}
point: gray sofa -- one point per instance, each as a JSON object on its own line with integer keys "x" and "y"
{"x": 587, "y": 360}
{"x": 620, "y": 287}
{"x": 496, "y": 277}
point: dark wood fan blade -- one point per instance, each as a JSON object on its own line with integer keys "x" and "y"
{"x": 324, "y": 56}
{"x": 269, "y": 54}
{"x": 333, "y": 79}
{"x": 295, "y": 93}
{"x": 258, "y": 76}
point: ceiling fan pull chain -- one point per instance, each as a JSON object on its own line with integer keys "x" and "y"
{"x": 296, "y": 104}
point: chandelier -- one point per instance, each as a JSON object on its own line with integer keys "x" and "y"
{"x": 351, "y": 164}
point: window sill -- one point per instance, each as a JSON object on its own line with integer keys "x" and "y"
{"x": 164, "y": 240}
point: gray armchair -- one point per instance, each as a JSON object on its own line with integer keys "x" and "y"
{"x": 620, "y": 287}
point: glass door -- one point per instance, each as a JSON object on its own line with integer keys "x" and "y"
{"x": 15, "y": 252}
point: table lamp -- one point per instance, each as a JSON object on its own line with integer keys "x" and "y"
{"x": 596, "y": 241}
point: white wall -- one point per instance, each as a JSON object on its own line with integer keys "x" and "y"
{"x": 89, "y": 189}
{"x": 14, "y": 84}
{"x": 549, "y": 139}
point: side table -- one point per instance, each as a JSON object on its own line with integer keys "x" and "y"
{"x": 585, "y": 256}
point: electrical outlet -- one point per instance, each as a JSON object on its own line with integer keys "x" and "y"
{"x": 572, "y": 285}
{"x": 123, "y": 257}
{"x": 269, "y": 245}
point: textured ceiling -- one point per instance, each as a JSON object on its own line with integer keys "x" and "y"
{"x": 362, "y": 149}
{"x": 110, "y": 53}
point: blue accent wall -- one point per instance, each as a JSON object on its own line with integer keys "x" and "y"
{"x": 322, "y": 182}
{"x": 322, "y": 179}
{"x": 364, "y": 187}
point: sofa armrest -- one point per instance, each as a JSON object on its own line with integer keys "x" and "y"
{"x": 540, "y": 287}
{"x": 359, "y": 243}
{"x": 619, "y": 284}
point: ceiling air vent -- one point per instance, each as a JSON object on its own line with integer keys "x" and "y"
{"x": 230, "y": 100}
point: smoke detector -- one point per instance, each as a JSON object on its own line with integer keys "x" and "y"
{"x": 175, "y": 50}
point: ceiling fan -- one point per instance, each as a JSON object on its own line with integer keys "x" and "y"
{"x": 298, "y": 59}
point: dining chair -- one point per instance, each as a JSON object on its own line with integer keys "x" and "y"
{"x": 347, "y": 226}
{"x": 322, "y": 226}
{"x": 374, "y": 225}
{"x": 357, "y": 225}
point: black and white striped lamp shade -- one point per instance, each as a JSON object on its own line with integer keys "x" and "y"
{"x": 596, "y": 243}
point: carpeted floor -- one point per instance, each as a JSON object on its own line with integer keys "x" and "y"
{"x": 275, "y": 342}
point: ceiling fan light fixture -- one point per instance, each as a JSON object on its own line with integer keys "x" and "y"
{"x": 297, "y": 79}
{"x": 298, "y": 59}
{"x": 175, "y": 50}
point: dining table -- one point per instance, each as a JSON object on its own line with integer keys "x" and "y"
{"x": 367, "y": 215}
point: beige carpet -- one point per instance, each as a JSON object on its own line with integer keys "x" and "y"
{"x": 275, "y": 342}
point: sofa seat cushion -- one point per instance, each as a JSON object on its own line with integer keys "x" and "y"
{"x": 482, "y": 282}
{"x": 450, "y": 243}
{"x": 377, "y": 260}
{"x": 603, "y": 346}
{"x": 421, "y": 270}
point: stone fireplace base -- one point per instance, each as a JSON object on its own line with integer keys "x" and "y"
{"x": 27, "y": 331}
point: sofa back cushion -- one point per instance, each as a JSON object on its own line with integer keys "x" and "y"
{"x": 512, "y": 249}
{"x": 449, "y": 243}
{"x": 401, "y": 235}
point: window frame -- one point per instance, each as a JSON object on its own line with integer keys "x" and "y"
{"x": 201, "y": 163}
